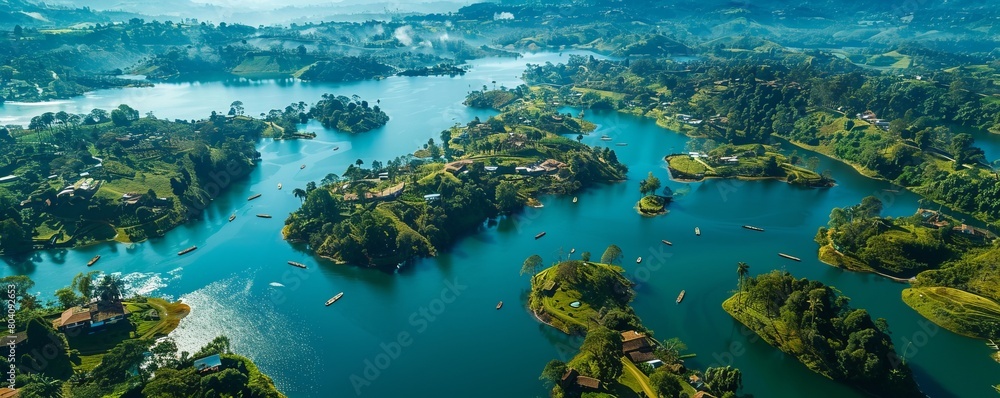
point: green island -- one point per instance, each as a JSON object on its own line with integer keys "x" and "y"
{"x": 345, "y": 114}
{"x": 94, "y": 342}
{"x": 749, "y": 161}
{"x": 815, "y": 324}
{"x": 407, "y": 207}
{"x": 619, "y": 357}
{"x": 651, "y": 203}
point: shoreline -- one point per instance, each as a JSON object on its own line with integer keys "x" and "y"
{"x": 897, "y": 279}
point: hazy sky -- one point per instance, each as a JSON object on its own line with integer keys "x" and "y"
{"x": 269, "y": 4}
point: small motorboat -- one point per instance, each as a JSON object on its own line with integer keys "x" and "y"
{"x": 334, "y": 298}
{"x": 232, "y": 217}
{"x": 638, "y": 260}
{"x": 500, "y": 304}
{"x": 279, "y": 186}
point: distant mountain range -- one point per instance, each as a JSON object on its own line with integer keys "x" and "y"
{"x": 36, "y": 12}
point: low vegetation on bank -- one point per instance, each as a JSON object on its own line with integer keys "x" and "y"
{"x": 956, "y": 310}
{"x": 815, "y": 324}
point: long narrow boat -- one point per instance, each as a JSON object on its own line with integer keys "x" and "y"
{"x": 638, "y": 260}
{"x": 253, "y": 197}
{"x": 186, "y": 251}
{"x": 753, "y": 228}
{"x": 793, "y": 258}
{"x": 622, "y": 144}
{"x": 264, "y": 215}
{"x": 666, "y": 242}
{"x": 680, "y": 297}
{"x": 500, "y": 304}
{"x": 540, "y": 234}
{"x": 295, "y": 264}
{"x": 334, "y": 298}
{"x": 697, "y": 231}
{"x": 93, "y": 260}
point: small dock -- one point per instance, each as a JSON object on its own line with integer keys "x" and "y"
{"x": 993, "y": 345}
{"x": 753, "y": 228}
{"x": 793, "y": 258}
{"x": 680, "y": 297}
{"x": 295, "y": 264}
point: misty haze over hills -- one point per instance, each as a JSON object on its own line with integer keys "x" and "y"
{"x": 256, "y": 12}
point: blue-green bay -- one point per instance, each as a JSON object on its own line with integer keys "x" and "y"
{"x": 434, "y": 323}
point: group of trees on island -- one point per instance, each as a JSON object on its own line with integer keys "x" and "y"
{"x": 814, "y": 323}
{"x": 352, "y": 115}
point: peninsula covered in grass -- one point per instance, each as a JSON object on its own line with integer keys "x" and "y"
{"x": 619, "y": 356}
{"x": 749, "y": 161}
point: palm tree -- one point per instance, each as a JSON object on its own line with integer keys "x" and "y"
{"x": 299, "y": 193}
{"x": 742, "y": 269}
{"x": 43, "y": 386}
{"x": 110, "y": 287}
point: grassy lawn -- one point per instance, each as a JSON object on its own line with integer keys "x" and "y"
{"x": 636, "y": 377}
{"x": 651, "y": 204}
{"x": 558, "y": 304}
{"x": 772, "y": 331}
{"x": 608, "y": 94}
{"x": 93, "y": 346}
{"x": 956, "y": 310}
{"x": 685, "y": 164}
{"x": 829, "y": 255}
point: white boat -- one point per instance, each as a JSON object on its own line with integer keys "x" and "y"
{"x": 335, "y": 298}
{"x": 279, "y": 186}
{"x": 638, "y": 260}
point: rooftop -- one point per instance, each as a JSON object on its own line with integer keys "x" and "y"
{"x": 212, "y": 362}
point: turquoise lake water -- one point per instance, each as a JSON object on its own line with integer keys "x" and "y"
{"x": 432, "y": 327}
